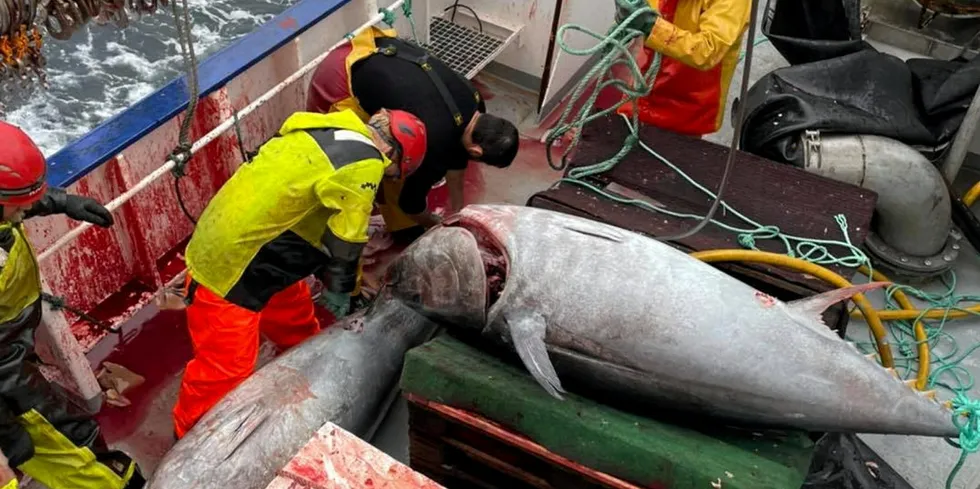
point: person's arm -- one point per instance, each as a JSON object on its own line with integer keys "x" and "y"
{"x": 426, "y": 219}
{"x": 721, "y": 26}
{"x": 413, "y": 200}
{"x": 58, "y": 201}
{"x": 454, "y": 180}
{"x": 8, "y": 480}
{"x": 350, "y": 192}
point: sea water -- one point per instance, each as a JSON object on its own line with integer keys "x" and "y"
{"x": 103, "y": 69}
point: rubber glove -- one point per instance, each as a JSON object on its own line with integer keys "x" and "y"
{"x": 643, "y": 22}
{"x": 337, "y": 303}
{"x": 58, "y": 201}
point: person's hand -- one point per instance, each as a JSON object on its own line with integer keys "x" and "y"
{"x": 427, "y": 219}
{"x": 87, "y": 209}
{"x": 643, "y": 22}
{"x": 6, "y": 473}
{"x": 337, "y": 303}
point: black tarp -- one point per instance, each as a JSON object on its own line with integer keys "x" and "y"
{"x": 837, "y": 84}
{"x": 811, "y": 30}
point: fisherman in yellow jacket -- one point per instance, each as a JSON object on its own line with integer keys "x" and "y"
{"x": 41, "y": 433}
{"x": 699, "y": 41}
{"x": 301, "y": 207}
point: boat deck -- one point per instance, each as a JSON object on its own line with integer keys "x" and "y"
{"x": 155, "y": 343}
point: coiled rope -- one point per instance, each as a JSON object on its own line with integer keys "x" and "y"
{"x": 948, "y": 374}
{"x": 389, "y": 17}
{"x": 614, "y": 47}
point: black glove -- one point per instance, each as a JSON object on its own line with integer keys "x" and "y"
{"x": 340, "y": 276}
{"x": 58, "y": 201}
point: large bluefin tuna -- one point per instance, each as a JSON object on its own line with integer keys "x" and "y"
{"x": 635, "y": 317}
{"x": 343, "y": 375}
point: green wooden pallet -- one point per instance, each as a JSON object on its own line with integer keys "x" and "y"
{"x": 641, "y": 450}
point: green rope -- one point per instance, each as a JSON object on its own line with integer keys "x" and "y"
{"x": 946, "y": 371}
{"x": 809, "y": 249}
{"x": 969, "y": 440}
{"x": 389, "y": 17}
{"x": 613, "y": 51}
{"x": 758, "y": 41}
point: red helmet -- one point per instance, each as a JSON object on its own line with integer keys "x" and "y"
{"x": 409, "y": 131}
{"x": 22, "y": 167}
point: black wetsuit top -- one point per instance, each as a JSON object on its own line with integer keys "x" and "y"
{"x": 389, "y": 82}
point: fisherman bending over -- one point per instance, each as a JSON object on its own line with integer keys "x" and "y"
{"x": 377, "y": 70}
{"x": 301, "y": 207}
{"x": 700, "y": 42}
{"x": 40, "y": 432}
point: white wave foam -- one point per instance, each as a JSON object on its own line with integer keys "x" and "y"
{"x": 102, "y": 69}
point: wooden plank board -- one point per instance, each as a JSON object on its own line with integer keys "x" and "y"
{"x": 772, "y": 194}
{"x": 636, "y": 449}
{"x": 336, "y": 459}
{"x": 462, "y": 449}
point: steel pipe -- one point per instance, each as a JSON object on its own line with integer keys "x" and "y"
{"x": 913, "y": 210}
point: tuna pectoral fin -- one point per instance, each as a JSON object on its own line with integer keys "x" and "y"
{"x": 527, "y": 331}
{"x": 811, "y": 308}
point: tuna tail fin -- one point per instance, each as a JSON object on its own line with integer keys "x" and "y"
{"x": 810, "y": 309}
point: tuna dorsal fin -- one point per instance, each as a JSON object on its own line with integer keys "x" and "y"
{"x": 811, "y": 308}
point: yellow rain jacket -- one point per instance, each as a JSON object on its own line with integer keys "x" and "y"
{"x": 336, "y": 85}
{"x": 302, "y": 206}
{"x": 32, "y": 439}
{"x": 699, "y": 41}
{"x": 331, "y": 91}
{"x": 20, "y": 280}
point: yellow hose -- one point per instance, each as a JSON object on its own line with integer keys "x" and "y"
{"x": 905, "y": 315}
{"x": 785, "y": 261}
{"x": 922, "y": 377}
{"x": 972, "y": 194}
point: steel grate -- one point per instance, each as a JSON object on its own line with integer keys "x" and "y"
{"x": 465, "y": 50}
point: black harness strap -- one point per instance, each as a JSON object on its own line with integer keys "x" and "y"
{"x": 423, "y": 62}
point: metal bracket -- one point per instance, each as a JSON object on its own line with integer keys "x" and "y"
{"x": 811, "y": 148}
